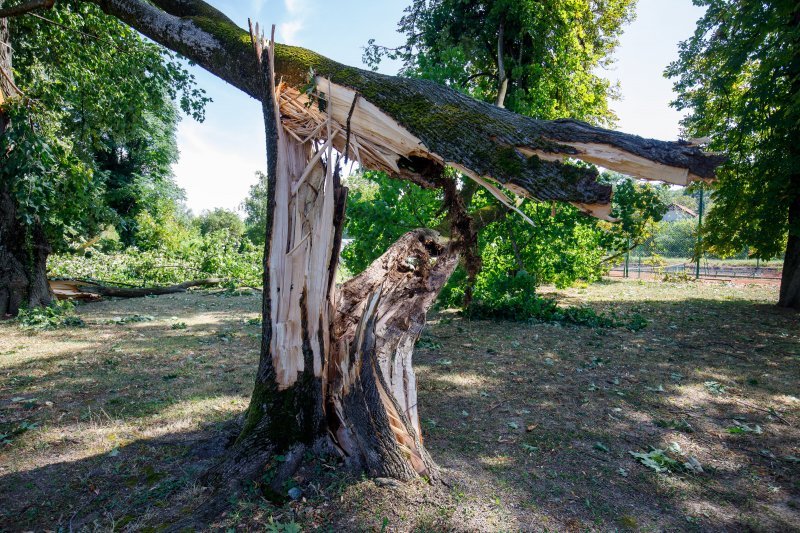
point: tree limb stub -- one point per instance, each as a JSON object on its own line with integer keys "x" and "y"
{"x": 438, "y": 124}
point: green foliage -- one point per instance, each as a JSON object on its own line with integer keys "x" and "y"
{"x": 561, "y": 247}
{"x": 255, "y": 210}
{"x": 638, "y": 208}
{"x": 97, "y": 124}
{"x": 677, "y": 238}
{"x": 657, "y": 460}
{"x": 220, "y": 221}
{"x": 381, "y": 209}
{"x": 515, "y": 298}
{"x": 167, "y": 229}
{"x": 214, "y": 255}
{"x": 739, "y": 76}
{"x": 58, "y": 314}
{"x": 551, "y": 50}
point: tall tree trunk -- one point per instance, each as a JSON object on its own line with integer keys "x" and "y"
{"x": 790, "y": 278}
{"x": 23, "y": 250}
{"x": 23, "y": 261}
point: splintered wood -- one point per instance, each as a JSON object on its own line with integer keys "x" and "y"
{"x": 375, "y": 140}
{"x": 301, "y": 242}
{"x": 356, "y": 127}
{"x": 302, "y": 246}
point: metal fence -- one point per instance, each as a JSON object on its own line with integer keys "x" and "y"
{"x": 670, "y": 254}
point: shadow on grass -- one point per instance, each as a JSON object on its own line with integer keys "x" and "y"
{"x": 549, "y": 433}
{"x": 533, "y": 423}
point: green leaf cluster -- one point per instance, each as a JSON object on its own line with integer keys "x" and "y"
{"x": 739, "y": 77}
{"x": 93, "y": 139}
{"x": 551, "y": 51}
{"x": 561, "y": 247}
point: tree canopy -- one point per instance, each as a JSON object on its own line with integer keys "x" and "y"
{"x": 537, "y": 58}
{"x": 739, "y": 76}
{"x": 96, "y": 123}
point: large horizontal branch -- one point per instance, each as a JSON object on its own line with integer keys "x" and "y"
{"x": 437, "y": 123}
{"x": 25, "y": 7}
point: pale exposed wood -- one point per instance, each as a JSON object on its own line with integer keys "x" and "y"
{"x": 601, "y": 211}
{"x": 379, "y": 142}
{"x": 619, "y": 161}
{"x": 302, "y": 239}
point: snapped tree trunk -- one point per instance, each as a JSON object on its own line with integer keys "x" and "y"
{"x": 335, "y": 366}
{"x": 23, "y": 249}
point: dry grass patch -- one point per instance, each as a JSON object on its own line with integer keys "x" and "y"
{"x": 112, "y": 424}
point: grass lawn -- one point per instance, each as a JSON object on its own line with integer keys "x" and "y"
{"x": 109, "y": 426}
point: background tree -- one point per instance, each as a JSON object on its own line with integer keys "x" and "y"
{"x": 220, "y": 220}
{"x": 255, "y": 210}
{"x": 535, "y": 57}
{"x": 94, "y": 129}
{"x": 538, "y": 59}
{"x": 138, "y": 179}
{"x": 739, "y": 75}
{"x": 560, "y": 247}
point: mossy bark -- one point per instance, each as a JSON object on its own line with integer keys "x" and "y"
{"x": 480, "y": 137}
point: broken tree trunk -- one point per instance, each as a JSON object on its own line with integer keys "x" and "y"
{"x": 371, "y": 385}
{"x": 337, "y": 367}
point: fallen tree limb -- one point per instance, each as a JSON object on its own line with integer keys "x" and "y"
{"x": 67, "y": 289}
{"x": 410, "y": 125}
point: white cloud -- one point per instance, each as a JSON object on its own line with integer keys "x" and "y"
{"x": 297, "y": 10}
{"x": 289, "y": 30}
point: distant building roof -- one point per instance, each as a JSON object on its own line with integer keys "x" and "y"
{"x": 679, "y": 207}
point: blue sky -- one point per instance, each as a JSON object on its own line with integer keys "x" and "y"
{"x": 220, "y": 156}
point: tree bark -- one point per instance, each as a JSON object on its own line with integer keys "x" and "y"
{"x": 336, "y": 366}
{"x": 371, "y": 383}
{"x": 23, "y": 249}
{"x": 790, "y": 277}
{"x": 77, "y": 289}
{"x": 23, "y": 261}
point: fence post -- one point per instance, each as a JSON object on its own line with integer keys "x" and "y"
{"x": 627, "y": 259}
{"x": 699, "y": 228}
